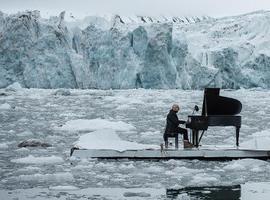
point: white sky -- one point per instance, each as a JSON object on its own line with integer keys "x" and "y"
{"x": 81, "y": 8}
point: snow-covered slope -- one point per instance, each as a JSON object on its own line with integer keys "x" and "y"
{"x": 131, "y": 52}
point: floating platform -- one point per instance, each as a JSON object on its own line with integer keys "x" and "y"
{"x": 157, "y": 154}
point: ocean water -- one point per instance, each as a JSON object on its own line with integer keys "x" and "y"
{"x": 40, "y": 173}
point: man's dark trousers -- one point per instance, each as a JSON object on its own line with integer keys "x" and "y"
{"x": 178, "y": 130}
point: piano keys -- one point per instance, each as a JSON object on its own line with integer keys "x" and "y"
{"x": 216, "y": 111}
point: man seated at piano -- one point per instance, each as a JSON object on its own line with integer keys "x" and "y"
{"x": 172, "y": 127}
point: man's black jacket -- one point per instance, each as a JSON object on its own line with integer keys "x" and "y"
{"x": 172, "y": 122}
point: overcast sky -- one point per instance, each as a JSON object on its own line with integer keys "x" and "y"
{"x": 81, "y": 8}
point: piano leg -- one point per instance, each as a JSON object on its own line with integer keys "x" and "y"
{"x": 237, "y": 136}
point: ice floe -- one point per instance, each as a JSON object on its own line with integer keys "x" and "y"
{"x": 259, "y": 140}
{"x": 204, "y": 179}
{"x": 255, "y": 191}
{"x": 14, "y": 87}
{"x": 39, "y": 160}
{"x": 5, "y": 106}
{"x": 64, "y": 187}
{"x": 246, "y": 165}
{"x": 108, "y": 139}
{"x": 3, "y": 145}
{"x": 56, "y": 177}
{"x": 96, "y": 124}
{"x": 62, "y": 92}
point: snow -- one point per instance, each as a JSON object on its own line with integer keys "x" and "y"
{"x": 96, "y": 124}
{"x": 39, "y": 160}
{"x": 108, "y": 139}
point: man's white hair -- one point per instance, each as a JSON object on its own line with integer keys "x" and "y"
{"x": 175, "y": 106}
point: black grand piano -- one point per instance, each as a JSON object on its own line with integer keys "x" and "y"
{"x": 216, "y": 111}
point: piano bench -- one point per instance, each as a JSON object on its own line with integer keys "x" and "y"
{"x": 172, "y": 135}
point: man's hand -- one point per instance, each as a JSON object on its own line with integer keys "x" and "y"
{"x": 182, "y": 121}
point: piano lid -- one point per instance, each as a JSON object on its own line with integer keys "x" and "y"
{"x": 214, "y": 104}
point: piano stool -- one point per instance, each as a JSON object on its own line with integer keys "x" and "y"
{"x": 175, "y": 136}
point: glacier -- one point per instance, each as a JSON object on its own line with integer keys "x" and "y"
{"x": 123, "y": 52}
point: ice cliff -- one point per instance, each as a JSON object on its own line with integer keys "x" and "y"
{"x": 132, "y": 52}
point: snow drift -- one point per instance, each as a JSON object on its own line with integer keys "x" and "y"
{"x": 132, "y": 52}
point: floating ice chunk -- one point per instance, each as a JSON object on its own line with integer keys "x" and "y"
{"x": 14, "y": 87}
{"x": 63, "y": 92}
{"x": 22, "y": 150}
{"x": 57, "y": 177}
{"x": 185, "y": 171}
{"x": 245, "y": 165}
{"x": 234, "y": 167}
{"x": 39, "y": 160}
{"x": 259, "y": 140}
{"x": 87, "y": 193}
{"x": 64, "y": 187}
{"x": 203, "y": 179}
{"x": 25, "y": 133}
{"x": 108, "y": 139}
{"x": 123, "y": 107}
{"x": 96, "y": 124}
{"x": 125, "y": 167}
{"x": 154, "y": 169}
{"x": 5, "y": 106}
{"x": 255, "y": 191}
{"x": 3, "y": 146}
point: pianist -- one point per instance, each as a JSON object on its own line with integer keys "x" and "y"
{"x": 173, "y": 129}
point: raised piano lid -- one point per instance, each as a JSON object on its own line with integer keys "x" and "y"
{"x": 214, "y": 104}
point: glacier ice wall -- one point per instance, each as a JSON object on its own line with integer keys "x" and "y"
{"x": 125, "y": 52}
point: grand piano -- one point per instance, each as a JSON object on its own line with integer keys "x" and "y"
{"x": 216, "y": 111}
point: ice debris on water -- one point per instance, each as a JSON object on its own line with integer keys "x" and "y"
{"x": 62, "y": 92}
{"x": 41, "y": 160}
{"x": 14, "y": 87}
{"x": 5, "y": 106}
